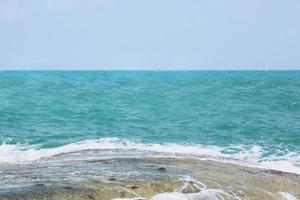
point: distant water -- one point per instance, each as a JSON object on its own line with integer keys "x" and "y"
{"x": 242, "y": 117}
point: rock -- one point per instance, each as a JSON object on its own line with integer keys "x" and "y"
{"x": 112, "y": 179}
{"x": 162, "y": 169}
{"x": 190, "y": 189}
{"x": 91, "y": 197}
{"x": 276, "y": 172}
{"x": 134, "y": 187}
{"x": 123, "y": 194}
{"x": 68, "y": 187}
{"x": 39, "y": 185}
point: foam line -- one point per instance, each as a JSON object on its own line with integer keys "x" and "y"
{"x": 251, "y": 157}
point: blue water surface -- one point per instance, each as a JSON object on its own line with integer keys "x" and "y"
{"x": 219, "y": 108}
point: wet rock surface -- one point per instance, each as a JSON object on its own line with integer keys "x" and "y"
{"x": 185, "y": 178}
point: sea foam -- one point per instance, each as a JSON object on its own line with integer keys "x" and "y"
{"x": 10, "y": 153}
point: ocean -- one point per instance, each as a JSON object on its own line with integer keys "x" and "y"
{"x": 249, "y": 118}
{"x": 252, "y": 116}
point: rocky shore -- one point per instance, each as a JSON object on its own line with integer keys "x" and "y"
{"x": 173, "y": 178}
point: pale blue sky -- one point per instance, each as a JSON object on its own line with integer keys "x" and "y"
{"x": 149, "y": 34}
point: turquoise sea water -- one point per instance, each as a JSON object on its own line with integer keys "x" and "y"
{"x": 249, "y": 116}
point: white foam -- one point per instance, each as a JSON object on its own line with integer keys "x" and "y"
{"x": 137, "y": 198}
{"x": 202, "y": 194}
{"x": 213, "y": 194}
{"x": 244, "y": 156}
{"x": 171, "y": 196}
{"x": 287, "y": 196}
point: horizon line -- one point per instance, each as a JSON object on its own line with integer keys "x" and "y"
{"x": 136, "y": 68}
{"x": 150, "y": 69}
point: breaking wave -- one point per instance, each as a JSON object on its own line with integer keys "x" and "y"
{"x": 250, "y": 156}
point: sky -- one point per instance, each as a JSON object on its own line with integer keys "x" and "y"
{"x": 149, "y": 34}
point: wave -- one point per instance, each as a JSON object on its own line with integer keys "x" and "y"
{"x": 241, "y": 155}
{"x": 200, "y": 191}
{"x": 203, "y": 193}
